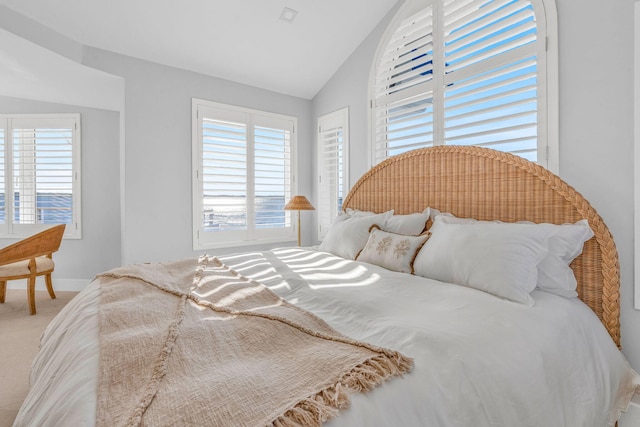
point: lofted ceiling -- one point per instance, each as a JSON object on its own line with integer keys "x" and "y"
{"x": 240, "y": 40}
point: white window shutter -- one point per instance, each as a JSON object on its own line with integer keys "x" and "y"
{"x": 491, "y": 82}
{"x": 224, "y": 175}
{"x": 40, "y": 173}
{"x": 332, "y": 149}
{"x": 3, "y": 173}
{"x": 272, "y": 166}
{"x": 462, "y": 72}
{"x": 243, "y": 175}
{"x": 403, "y": 95}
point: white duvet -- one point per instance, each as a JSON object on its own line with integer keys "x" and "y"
{"x": 479, "y": 360}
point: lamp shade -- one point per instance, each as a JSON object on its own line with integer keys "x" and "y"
{"x": 299, "y": 203}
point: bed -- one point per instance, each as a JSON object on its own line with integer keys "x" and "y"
{"x": 453, "y": 355}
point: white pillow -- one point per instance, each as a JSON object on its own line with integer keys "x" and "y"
{"x": 410, "y": 224}
{"x": 497, "y": 258}
{"x": 564, "y": 245}
{"x": 348, "y": 234}
{"x": 390, "y": 250}
{"x": 358, "y": 212}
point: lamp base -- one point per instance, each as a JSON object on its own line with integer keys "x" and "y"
{"x": 298, "y": 228}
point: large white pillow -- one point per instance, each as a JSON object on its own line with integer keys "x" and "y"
{"x": 497, "y": 258}
{"x": 348, "y": 234}
{"x": 410, "y": 224}
{"x": 564, "y": 245}
{"x": 390, "y": 250}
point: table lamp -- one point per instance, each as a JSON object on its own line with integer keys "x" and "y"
{"x": 299, "y": 203}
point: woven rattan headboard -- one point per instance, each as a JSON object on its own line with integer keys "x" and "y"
{"x": 486, "y": 184}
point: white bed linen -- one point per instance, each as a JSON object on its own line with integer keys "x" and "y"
{"x": 479, "y": 360}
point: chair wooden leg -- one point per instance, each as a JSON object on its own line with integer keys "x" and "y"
{"x": 31, "y": 294}
{"x": 3, "y": 290}
{"x": 47, "y": 280}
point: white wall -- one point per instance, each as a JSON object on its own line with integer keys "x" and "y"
{"x": 152, "y": 139}
{"x": 157, "y": 150}
{"x": 99, "y": 248}
{"x": 349, "y": 87}
{"x": 30, "y": 71}
{"x": 35, "y": 79}
{"x": 596, "y": 128}
{"x": 596, "y": 122}
{"x": 45, "y": 37}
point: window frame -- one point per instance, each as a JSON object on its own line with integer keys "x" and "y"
{"x": 636, "y": 109}
{"x": 10, "y": 229}
{"x": 338, "y": 119}
{"x": 252, "y": 235}
{"x": 547, "y": 69}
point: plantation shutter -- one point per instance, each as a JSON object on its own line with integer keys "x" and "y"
{"x": 332, "y": 138}
{"x": 3, "y": 172}
{"x": 462, "y": 72}
{"x": 243, "y": 176}
{"x": 403, "y": 97}
{"x": 224, "y": 171}
{"x": 42, "y": 170}
{"x": 272, "y": 173}
{"x": 491, "y": 75}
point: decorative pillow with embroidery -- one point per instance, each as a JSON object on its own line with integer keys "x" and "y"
{"x": 390, "y": 250}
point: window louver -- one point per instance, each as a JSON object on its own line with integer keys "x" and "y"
{"x": 490, "y": 94}
{"x": 40, "y": 173}
{"x": 403, "y": 100}
{"x": 272, "y": 166}
{"x": 460, "y": 72}
{"x": 43, "y": 175}
{"x": 243, "y": 176}
{"x": 224, "y": 175}
{"x": 332, "y": 139}
{"x": 2, "y": 179}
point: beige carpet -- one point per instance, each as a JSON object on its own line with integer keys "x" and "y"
{"x": 19, "y": 339}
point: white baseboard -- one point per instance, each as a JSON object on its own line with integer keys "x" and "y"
{"x": 58, "y": 284}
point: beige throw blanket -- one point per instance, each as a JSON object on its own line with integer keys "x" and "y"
{"x": 195, "y": 343}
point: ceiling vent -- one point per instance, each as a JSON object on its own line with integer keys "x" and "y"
{"x": 288, "y": 15}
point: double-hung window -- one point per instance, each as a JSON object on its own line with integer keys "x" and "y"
{"x": 243, "y": 175}
{"x": 39, "y": 174}
{"x": 333, "y": 148}
{"x": 464, "y": 72}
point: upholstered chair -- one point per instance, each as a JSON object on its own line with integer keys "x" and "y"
{"x": 28, "y": 259}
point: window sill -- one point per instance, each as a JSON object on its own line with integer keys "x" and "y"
{"x": 197, "y": 246}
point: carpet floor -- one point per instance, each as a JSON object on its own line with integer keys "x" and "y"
{"x": 19, "y": 340}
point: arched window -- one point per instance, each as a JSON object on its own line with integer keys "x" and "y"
{"x": 467, "y": 72}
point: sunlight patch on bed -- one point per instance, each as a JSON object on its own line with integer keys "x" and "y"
{"x": 202, "y": 293}
{"x": 301, "y": 257}
{"x": 249, "y": 255}
{"x": 228, "y": 301}
{"x": 247, "y": 264}
{"x": 262, "y": 263}
{"x": 294, "y": 251}
{"x": 324, "y": 264}
{"x": 282, "y": 285}
{"x": 358, "y": 276}
{"x": 240, "y": 295}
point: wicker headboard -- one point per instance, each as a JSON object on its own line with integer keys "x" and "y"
{"x": 486, "y": 184}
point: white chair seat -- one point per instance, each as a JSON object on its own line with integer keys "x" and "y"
{"x": 21, "y": 268}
